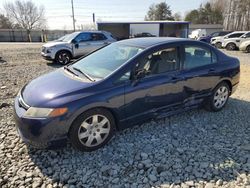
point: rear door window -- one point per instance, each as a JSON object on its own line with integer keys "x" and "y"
{"x": 198, "y": 56}
{"x": 98, "y": 36}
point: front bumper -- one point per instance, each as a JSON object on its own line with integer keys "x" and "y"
{"x": 47, "y": 56}
{"x": 40, "y": 132}
{"x": 242, "y": 48}
{"x": 234, "y": 88}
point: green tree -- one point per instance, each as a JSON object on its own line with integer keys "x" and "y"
{"x": 193, "y": 17}
{"x": 177, "y": 16}
{"x": 210, "y": 13}
{"x": 5, "y": 22}
{"x": 159, "y": 11}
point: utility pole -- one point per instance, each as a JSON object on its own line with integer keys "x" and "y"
{"x": 73, "y": 15}
{"x": 93, "y": 18}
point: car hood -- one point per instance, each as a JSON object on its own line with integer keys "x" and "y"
{"x": 245, "y": 43}
{"x": 54, "y": 89}
{"x": 220, "y": 37}
{"x": 54, "y": 43}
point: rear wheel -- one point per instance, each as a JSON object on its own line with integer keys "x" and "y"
{"x": 92, "y": 129}
{"x": 231, "y": 47}
{"x": 219, "y": 98}
{"x": 63, "y": 57}
{"x": 248, "y": 49}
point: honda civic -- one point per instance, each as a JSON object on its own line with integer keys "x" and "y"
{"x": 120, "y": 85}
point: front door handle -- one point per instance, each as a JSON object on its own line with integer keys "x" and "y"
{"x": 211, "y": 70}
{"x": 177, "y": 78}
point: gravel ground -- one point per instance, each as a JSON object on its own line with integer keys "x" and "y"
{"x": 193, "y": 149}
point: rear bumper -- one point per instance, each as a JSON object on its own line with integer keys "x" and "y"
{"x": 39, "y": 132}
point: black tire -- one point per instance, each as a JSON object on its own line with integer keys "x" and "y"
{"x": 231, "y": 47}
{"x": 63, "y": 57}
{"x": 218, "y": 45}
{"x": 248, "y": 49}
{"x": 210, "y": 103}
{"x": 79, "y": 125}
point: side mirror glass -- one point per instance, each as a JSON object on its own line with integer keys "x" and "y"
{"x": 74, "y": 41}
{"x": 140, "y": 74}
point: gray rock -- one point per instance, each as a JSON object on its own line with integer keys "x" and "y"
{"x": 144, "y": 156}
{"x": 219, "y": 182}
{"x": 115, "y": 181}
{"x": 152, "y": 178}
{"x": 209, "y": 185}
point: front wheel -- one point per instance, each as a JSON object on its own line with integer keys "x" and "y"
{"x": 231, "y": 47}
{"x": 248, "y": 49}
{"x": 219, "y": 98}
{"x": 92, "y": 129}
{"x": 63, "y": 57}
{"x": 218, "y": 45}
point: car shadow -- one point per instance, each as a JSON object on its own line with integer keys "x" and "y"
{"x": 2, "y": 60}
{"x": 54, "y": 64}
{"x": 196, "y": 146}
{"x": 58, "y": 65}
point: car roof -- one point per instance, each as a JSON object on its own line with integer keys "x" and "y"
{"x": 239, "y": 32}
{"x": 91, "y": 31}
{"x": 150, "y": 41}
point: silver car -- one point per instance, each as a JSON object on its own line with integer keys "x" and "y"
{"x": 245, "y": 46}
{"x": 222, "y": 42}
{"x": 233, "y": 43}
{"x": 75, "y": 45}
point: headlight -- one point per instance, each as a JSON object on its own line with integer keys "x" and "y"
{"x": 49, "y": 50}
{"x": 45, "y": 112}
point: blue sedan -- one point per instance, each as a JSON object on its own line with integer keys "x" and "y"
{"x": 120, "y": 85}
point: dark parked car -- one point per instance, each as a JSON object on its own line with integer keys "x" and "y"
{"x": 120, "y": 85}
{"x": 208, "y": 38}
{"x": 144, "y": 35}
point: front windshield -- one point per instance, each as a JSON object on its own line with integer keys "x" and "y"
{"x": 61, "y": 38}
{"x": 68, "y": 37}
{"x": 103, "y": 62}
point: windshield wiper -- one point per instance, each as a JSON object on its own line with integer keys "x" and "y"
{"x": 68, "y": 69}
{"x": 86, "y": 75}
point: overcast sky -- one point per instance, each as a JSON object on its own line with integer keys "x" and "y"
{"x": 58, "y": 12}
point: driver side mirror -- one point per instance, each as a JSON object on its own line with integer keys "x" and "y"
{"x": 75, "y": 43}
{"x": 139, "y": 74}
